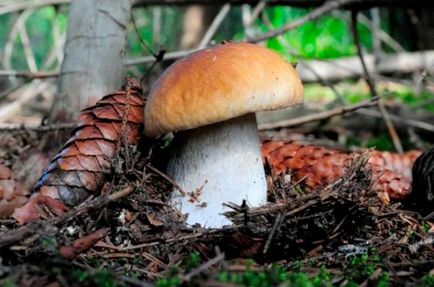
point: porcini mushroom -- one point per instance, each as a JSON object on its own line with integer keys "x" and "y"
{"x": 209, "y": 99}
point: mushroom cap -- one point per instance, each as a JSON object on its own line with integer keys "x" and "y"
{"x": 218, "y": 84}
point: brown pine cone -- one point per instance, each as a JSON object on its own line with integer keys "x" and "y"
{"x": 392, "y": 172}
{"x": 400, "y": 163}
{"x": 84, "y": 163}
{"x": 318, "y": 166}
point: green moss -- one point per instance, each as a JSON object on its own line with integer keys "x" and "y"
{"x": 274, "y": 276}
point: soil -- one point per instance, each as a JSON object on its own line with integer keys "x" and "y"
{"x": 340, "y": 235}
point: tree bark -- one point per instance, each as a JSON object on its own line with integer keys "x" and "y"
{"x": 94, "y": 50}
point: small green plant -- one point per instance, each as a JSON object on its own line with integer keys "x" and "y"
{"x": 100, "y": 278}
{"x": 192, "y": 261}
{"x": 172, "y": 279}
{"x": 168, "y": 282}
{"x": 427, "y": 281}
{"x": 274, "y": 276}
{"x": 298, "y": 189}
{"x": 362, "y": 266}
{"x": 426, "y": 227}
{"x": 410, "y": 235}
{"x": 384, "y": 280}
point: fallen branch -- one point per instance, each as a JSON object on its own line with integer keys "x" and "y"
{"x": 399, "y": 120}
{"x": 28, "y": 74}
{"x": 167, "y": 57}
{"x": 351, "y": 68}
{"x": 330, "y": 70}
{"x": 37, "y": 228}
{"x": 319, "y": 116}
{"x": 390, "y": 127}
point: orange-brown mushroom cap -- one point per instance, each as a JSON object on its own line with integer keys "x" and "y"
{"x": 220, "y": 83}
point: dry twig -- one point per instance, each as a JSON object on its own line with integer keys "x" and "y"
{"x": 216, "y": 23}
{"x": 28, "y": 74}
{"x": 167, "y": 178}
{"x": 318, "y": 116}
{"x": 203, "y": 267}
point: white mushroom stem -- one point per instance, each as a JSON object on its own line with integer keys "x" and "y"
{"x": 217, "y": 164}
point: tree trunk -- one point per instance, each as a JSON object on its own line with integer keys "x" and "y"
{"x": 92, "y": 67}
{"x": 94, "y": 50}
{"x": 196, "y": 20}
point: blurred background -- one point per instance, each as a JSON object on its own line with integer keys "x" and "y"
{"x": 397, "y": 42}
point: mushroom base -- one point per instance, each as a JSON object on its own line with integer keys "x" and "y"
{"x": 217, "y": 164}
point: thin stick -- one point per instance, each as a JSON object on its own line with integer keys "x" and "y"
{"x": 28, "y": 74}
{"x": 16, "y": 7}
{"x": 392, "y": 131}
{"x": 168, "y": 179}
{"x": 216, "y": 23}
{"x": 203, "y": 267}
{"x": 168, "y": 56}
{"x": 28, "y": 52}
{"x": 408, "y": 64}
{"x": 179, "y": 238}
{"x": 398, "y": 119}
{"x": 14, "y": 33}
{"x": 249, "y": 18}
{"x": 276, "y": 224}
{"x": 328, "y": 7}
{"x": 257, "y": 11}
{"x": 319, "y": 116}
{"x": 385, "y": 38}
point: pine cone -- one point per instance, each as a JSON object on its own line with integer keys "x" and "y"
{"x": 318, "y": 166}
{"x": 84, "y": 163}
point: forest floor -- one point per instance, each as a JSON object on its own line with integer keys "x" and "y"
{"x": 340, "y": 235}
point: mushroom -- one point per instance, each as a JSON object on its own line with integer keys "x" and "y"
{"x": 209, "y": 99}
